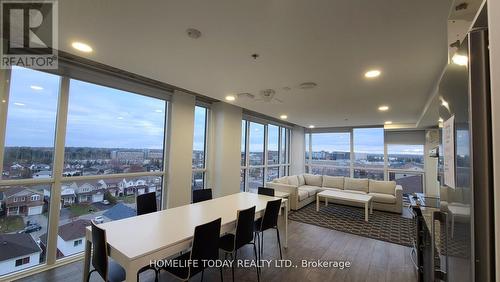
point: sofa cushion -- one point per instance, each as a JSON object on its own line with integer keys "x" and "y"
{"x": 383, "y": 198}
{"x": 356, "y": 184}
{"x": 383, "y": 187}
{"x": 302, "y": 194}
{"x": 333, "y": 181}
{"x": 302, "y": 181}
{"x": 311, "y": 190}
{"x": 331, "y": 189}
{"x": 282, "y": 180}
{"x": 293, "y": 180}
{"x": 313, "y": 180}
{"x": 354, "y": 192}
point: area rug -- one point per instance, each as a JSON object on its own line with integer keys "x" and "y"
{"x": 385, "y": 226}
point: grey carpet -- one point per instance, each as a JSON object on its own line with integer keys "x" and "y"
{"x": 385, "y": 226}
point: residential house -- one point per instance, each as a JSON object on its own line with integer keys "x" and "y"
{"x": 68, "y": 195}
{"x": 17, "y": 252}
{"x": 70, "y": 238}
{"x": 42, "y": 174}
{"x": 23, "y": 201}
{"x": 88, "y": 193}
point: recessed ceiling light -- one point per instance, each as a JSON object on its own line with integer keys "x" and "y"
{"x": 372, "y": 73}
{"x": 383, "y": 108}
{"x": 36, "y": 87}
{"x": 3, "y": 101}
{"x": 388, "y": 122}
{"x": 312, "y": 126}
{"x": 230, "y": 98}
{"x": 308, "y": 85}
{"x": 80, "y": 46}
{"x": 460, "y": 60}
{"x": 283, "y": 117}
{"x": 18, "y": 104}
{"x": 193, "y": 33}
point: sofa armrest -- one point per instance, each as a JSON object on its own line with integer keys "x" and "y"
{"x": 399, "y": 198}
{"x": 287, "y": 188}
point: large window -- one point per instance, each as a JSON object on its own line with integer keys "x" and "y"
{"x": 368, "y": 145}
{"x": 199, "y": 147}
{"x": 365, "y": 153}
{"x": 264, "y": 153}
{"x": 112, "y": 152}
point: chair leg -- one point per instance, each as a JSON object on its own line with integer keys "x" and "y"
{"x": 202, "y": 272}
{"x": 257, "y": 239}
{"x": 234, "y": 261}
{"x": 221, "y": 274}
{"x": 262, "y": 244}
{"x": 257, "y": 261}
{"x": 88, "y": 277}
{"x": 279, "y": 243}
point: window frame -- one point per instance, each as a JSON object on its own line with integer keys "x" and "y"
{"x": 265, "y": 166}
{"x": 205, "y": 153}
{"x": 57, "y": 179}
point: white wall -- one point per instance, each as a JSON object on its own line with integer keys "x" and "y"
{"x": 180, "y": 149}
{"x": 297, "y": 152}
{"x": 494, "y": 33}
{"x": 225, "y": 149}
{"x": 67, "y": 248}
{"x": 7, "y": 266}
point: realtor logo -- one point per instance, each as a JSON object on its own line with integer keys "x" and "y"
{"x": 29, "y": 34}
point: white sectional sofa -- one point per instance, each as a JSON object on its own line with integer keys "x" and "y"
{"x": 387, "y": 196}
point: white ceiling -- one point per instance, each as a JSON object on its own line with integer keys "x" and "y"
{"x": 330, "y": 42}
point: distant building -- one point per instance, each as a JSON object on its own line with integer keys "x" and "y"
{"x": 128, "y": 156}
{"x": 17, "y": 252}
{"x": 70, "y": 238}
{"x": 42, "y": 174}
{"x": 88, "y": 193}
{"x": 68, "y": 194}
{"x": 22, "y": 201}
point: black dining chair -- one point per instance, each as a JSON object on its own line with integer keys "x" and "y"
{"x": 265, "y": 191}
{"x": 108, "y": 270}
{"x": 202, "y": 195}
{"x": 205, "y": 247}
{"x": 230, "y": 243}
{"x": 146, "y": 203}
{"x": 268, "y": 221}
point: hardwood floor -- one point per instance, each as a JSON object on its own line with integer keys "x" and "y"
{"x": 371, "y": 260}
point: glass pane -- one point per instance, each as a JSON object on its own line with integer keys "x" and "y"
{"x": 272, "y": 144}
{"x": 334, "y": 171}
{"x": 368, "y": 147}
{"x": 255, "y": 179}
{"x": 411, "y": 183}
{"x": 199, "y": 137}
{"x": 243, "y": 142}
{"x": 99, "y": 200}
{"x": 369, "y": 173}
{"x": 23, "y": 221}
{"x": 242, "y": 180}
{"x": 332, "y": 148}
{"x": 112, "y": 131}
{"x": 198, "y": 181}
{"x": 406, "y": 157}
{"x": 284, "y": 146}
{"x": 31, "y": 123}
{"x": 284, "y": 170}
{"x": 272, "y": 173}
{"x": 306, "y": 142}
{"x": 256, "y": 144}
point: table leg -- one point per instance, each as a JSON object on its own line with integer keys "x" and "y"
{"x": 86, "y": 261}
{"x": 366, "y": 211}
{"x": 371, "y": 207}
{"x": 326, "y": 202}
{"x": 286, "y": 224}
{"x": 317, "y": 202}
{"x": 131, "y": 273}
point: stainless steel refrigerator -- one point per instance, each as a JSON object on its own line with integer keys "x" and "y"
{"x": 462, "y": 228}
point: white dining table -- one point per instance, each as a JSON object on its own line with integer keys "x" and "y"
{"x": 135, "y": 241}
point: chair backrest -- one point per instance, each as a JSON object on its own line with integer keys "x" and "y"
{"x": 205, "y": 244}
{"x": 146, "y": 203}
{"x": 270, "y": 218}
{"x": 202, "y": 195}
{"x": 265, "y": 191}
{"x": 245, "y": 223}
{"x": 100, "y": 251}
